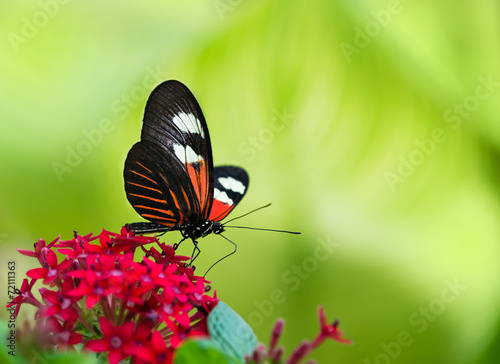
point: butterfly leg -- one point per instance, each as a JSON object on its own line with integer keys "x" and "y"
{"x": 176, "y": 245}
{"x": 196, "y": 252}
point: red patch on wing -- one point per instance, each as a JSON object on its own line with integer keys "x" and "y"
{"x": 198, "y": 175}
{"x": 219, "y": 210}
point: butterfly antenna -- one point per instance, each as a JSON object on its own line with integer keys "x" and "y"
{"x": 224, "y": 257}
{"x": 248, "y": 213}
{"x": 253, "y": 228}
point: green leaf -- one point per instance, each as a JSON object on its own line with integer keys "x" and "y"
{"x": 234, "y": 336}
{"x": 202, "y": 351}
{"x": 70, "y": 358}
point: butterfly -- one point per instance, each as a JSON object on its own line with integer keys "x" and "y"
{"x": 169, "y": 175}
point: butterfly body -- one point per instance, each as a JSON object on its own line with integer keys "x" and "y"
{"x": 169, "y": 175}
{"x": 197, "y": 230}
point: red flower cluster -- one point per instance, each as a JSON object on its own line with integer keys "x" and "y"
{"x": 104, "y": 299}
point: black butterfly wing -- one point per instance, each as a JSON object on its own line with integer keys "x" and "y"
{"x": 153, "y": 186}
{"x": 169, "y": 173}
{"x": 230, "y": 185}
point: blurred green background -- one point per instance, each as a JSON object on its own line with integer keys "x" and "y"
{"x": 371, "y": 126}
